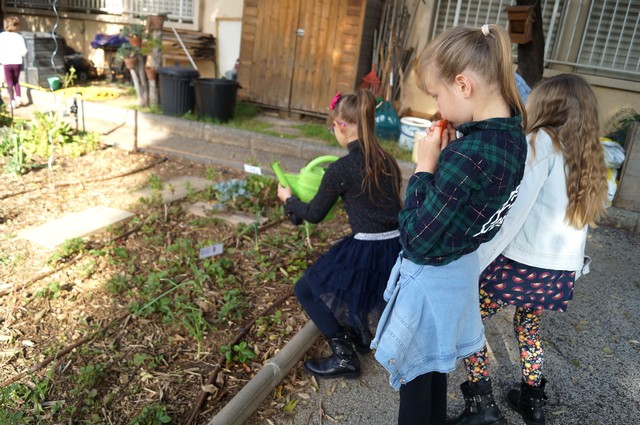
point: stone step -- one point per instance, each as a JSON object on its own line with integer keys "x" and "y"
{"x": 54, "y": 233}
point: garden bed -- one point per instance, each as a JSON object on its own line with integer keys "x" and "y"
{"x": 130, "y": 325}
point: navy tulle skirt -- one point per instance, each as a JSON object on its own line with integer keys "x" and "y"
{"x": 351, "y": 277}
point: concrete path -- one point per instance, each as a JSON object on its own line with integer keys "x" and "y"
{"x": 592, "y": 355}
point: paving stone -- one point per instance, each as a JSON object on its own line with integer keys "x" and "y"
{"x": 214, "y": 209}
{"x": 178, "y": 188}
{"x": 53, "y": 233}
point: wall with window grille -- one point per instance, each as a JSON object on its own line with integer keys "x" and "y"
{"x": 601, "y": 37}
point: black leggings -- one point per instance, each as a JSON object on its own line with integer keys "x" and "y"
{"x": 318, "y": 312}
{"x": 423, "y": 401}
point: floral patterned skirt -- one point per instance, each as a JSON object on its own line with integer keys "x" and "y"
{"x": 527, "y": 286}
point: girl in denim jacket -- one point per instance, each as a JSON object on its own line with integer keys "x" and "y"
{"x": 457, "y": 199}
{"x": 540, "y": 247}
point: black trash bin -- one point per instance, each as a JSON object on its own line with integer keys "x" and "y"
{"x": 177, "y": 95}
{"x": 216, "y": 98}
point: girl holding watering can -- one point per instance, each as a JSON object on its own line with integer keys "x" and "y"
{"x": 345, "y": 285}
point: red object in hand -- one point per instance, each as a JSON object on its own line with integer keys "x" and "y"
{"x": 442, "y": 124}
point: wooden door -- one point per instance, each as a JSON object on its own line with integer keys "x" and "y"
{"x": 296, "y": 54}
{"x": 268, "y": 43}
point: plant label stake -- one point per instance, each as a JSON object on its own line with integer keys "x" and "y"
{"x": 210, "y": 251}
{"x": 252, "y": 169}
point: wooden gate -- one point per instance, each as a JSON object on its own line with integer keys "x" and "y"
{"x": 296, "y": 54}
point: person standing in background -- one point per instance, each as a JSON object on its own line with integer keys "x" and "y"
{"x": 12, "y": 50}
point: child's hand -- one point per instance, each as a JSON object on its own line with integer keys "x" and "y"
{"x": 428, "y": 148}
{"x": 284, "y": 193}
{"x": 447, "y": 133}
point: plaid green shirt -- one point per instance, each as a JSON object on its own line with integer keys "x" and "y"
{"x": 450, "y": 213}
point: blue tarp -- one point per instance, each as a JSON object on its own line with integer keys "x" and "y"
{"x": 104, "y": 40}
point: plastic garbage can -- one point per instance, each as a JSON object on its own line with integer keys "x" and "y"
{"x": 177, "y": 95}
{"x": 216, "y": 98}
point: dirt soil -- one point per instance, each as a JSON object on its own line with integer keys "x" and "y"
{"x": 128, "y": 325}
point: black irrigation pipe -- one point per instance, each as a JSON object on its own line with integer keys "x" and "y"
{"x": 100, "y": 179}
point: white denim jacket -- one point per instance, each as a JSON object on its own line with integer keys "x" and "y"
{"x": 534, "y": 231}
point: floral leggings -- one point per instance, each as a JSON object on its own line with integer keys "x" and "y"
{"x": 526, "y": 324}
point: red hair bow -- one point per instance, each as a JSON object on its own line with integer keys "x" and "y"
{"x": 335, "y": 101}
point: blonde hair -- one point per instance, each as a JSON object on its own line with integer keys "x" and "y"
{"x": 359, "y": 108}
{"x": 567, "y": 109}
{"x": 465, "y": 48}
{"x": 12, "y": 24}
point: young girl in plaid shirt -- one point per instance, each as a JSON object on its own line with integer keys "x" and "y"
{"x": 457, "y": 199}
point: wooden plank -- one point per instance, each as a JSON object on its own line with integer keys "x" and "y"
{"x": 247, "y": 45}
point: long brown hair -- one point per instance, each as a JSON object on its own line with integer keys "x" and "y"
{"x": 359, "y": 108}
{"x": 566, "y": 108}
{"x": 463, "y": 48}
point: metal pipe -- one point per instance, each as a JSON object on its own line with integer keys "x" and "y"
{"x": 184, "y": 48}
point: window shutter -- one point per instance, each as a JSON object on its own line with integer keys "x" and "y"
{"x": 611, "y": 40}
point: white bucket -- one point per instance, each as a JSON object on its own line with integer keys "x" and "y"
{"x": 408, "y": 126}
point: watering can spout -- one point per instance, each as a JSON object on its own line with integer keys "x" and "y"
{"x": 279, "y": 174}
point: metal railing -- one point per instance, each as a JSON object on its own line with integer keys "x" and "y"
{"x": 181, "y": 11}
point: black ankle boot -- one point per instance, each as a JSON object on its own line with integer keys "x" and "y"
{"x": 343, "y": 363}
{"x": 528, "y": 401}
{"x": 480, "y": 407}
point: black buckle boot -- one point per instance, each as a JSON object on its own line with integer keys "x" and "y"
{"x": 343, "y": 363}
{"x": 529, "y": 402}
{"x": 480, "y": 407}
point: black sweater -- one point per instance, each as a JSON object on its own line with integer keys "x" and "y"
{"x": 343, "y": 179}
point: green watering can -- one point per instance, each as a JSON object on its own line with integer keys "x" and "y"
{"x": 304, "y": 185}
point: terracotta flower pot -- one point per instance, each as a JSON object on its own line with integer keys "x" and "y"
{"x": 135, "y": 41}
{"x": 155, "y": 22}
{"x": 131, "y": 62}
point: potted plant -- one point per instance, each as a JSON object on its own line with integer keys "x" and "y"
{"x": 134, "y": 34}
{"x": 128, "y": 54}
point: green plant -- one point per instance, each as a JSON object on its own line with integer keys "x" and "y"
{"x": 153, "y": 414}
{"x": 50, "y": 292}
{"x": 238, "y": 353}
{"x": 264, "y": 322}
{"x": 234, "y": 305}
{"x": 149, "y": 44}
{"x": 87, "y": 377}
{"x": 19, "y": 401}
{"x": 5, "y": 119}
{"x": 16, "y": 163}
{"x": 230, "y": 190}
{"x": 126, "y": 50}
{"x": 195, "y": 323}
{"x": 142, "y": 359}
{"x": 133, "y": 30}
{"x": 68, "y": 249}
